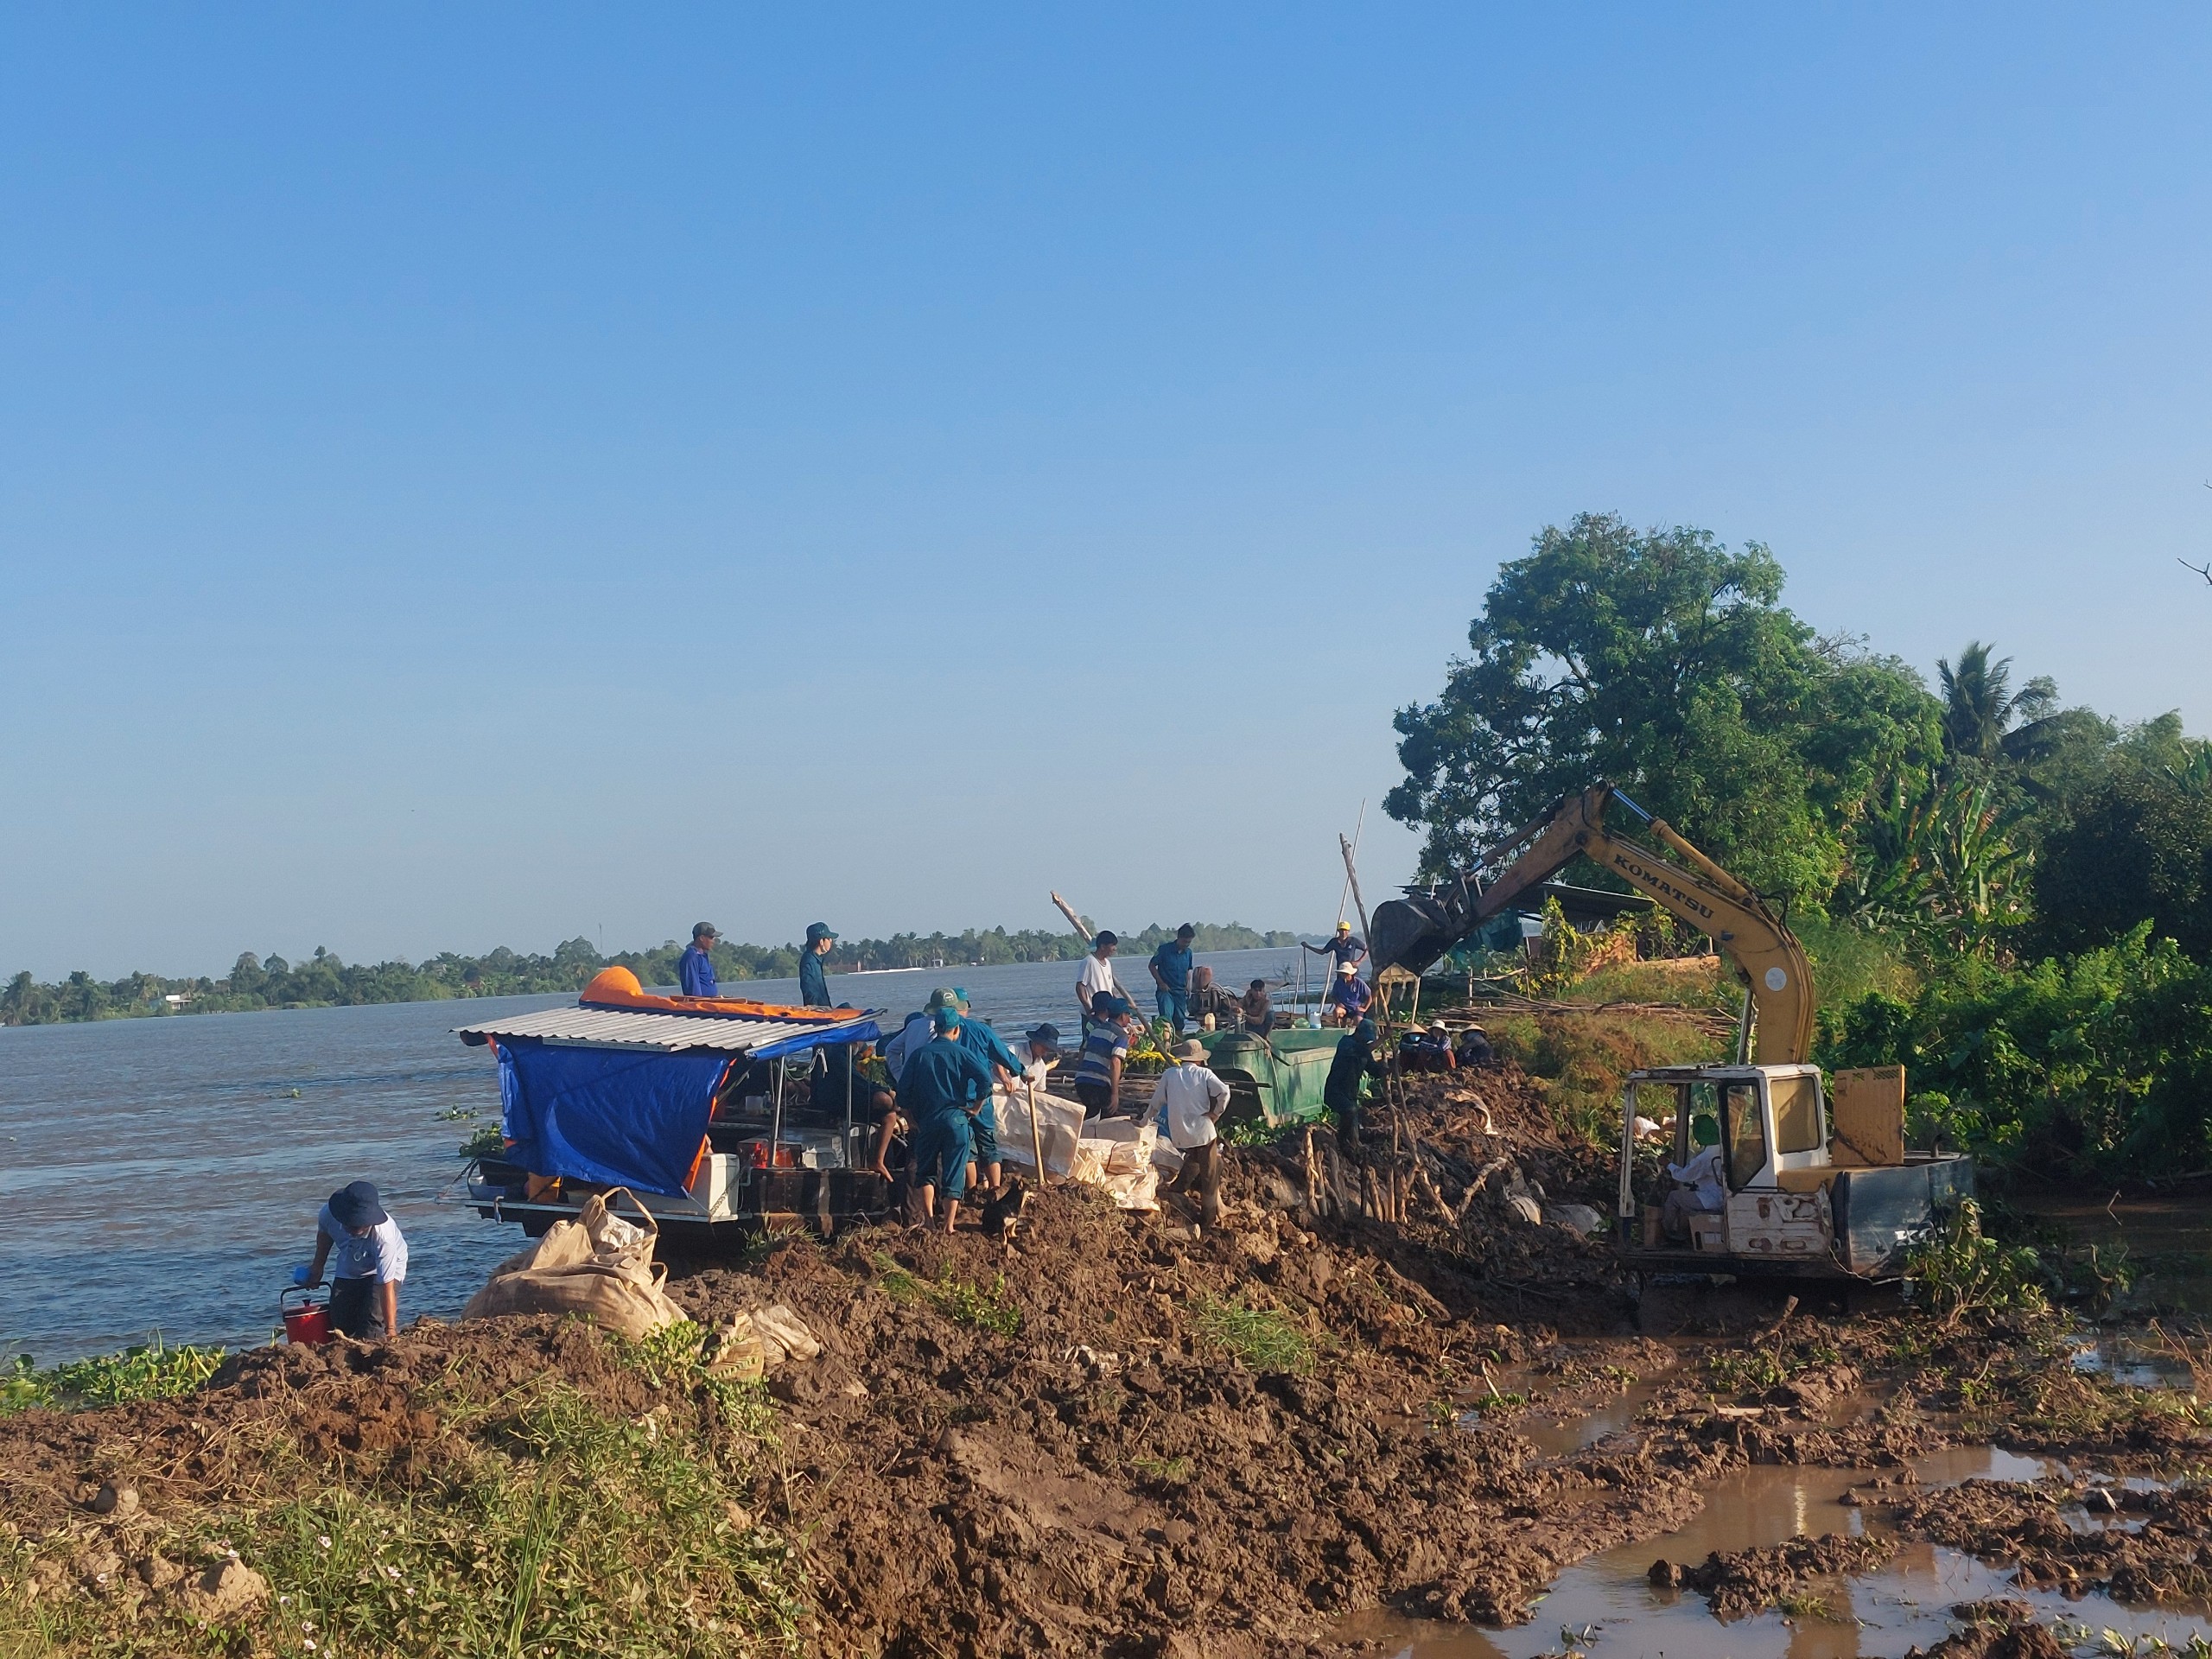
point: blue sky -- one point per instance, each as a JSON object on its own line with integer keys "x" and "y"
{"x": 474, "y": 476}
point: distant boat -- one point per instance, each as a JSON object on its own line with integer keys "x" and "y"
{"x": 861, "y": 973}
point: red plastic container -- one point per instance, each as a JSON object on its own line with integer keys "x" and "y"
{"x": 307, "y": 1324}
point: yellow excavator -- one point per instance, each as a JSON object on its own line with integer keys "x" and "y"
{"x": 1799, "y": 1186}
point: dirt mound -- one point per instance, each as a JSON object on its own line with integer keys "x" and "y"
{"x": 1996, "y": 1630}
{"x": 1745, "y": 1580}
{"x": 2139, "y": 1546}
{"x": 359, "y": 1411}
{"x": 1114, "y": 1432}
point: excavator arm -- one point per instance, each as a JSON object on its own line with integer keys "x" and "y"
{"x": 1413, "y": 931}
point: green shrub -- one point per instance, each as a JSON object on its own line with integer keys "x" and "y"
{"x": 2102, "y": 1062}
{"x": 1961, "y": 1274}
{"x": 23, "y": 1386}
{"x": 149, "y": 1370}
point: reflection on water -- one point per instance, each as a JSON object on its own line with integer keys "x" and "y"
{"x": 1906, "y": 1603}
{"x": 2166, "y": 1241}
{"x": 165, "y": 1173}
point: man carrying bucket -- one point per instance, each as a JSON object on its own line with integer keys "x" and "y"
{"x": 368, "y": 1261}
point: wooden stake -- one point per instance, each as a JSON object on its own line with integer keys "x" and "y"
{"x": 1036, "y": 1139}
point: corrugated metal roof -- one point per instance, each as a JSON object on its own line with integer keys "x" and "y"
{"x": 671, "y": 1033}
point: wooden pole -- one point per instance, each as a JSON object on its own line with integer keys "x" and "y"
{"x": 1087, "y": 931}
{"x": 1352, "y": 880}
{"x": 1036, "y": 1139}
{"x": 1082, "y": 927}
{"x": 1359, "y": 824}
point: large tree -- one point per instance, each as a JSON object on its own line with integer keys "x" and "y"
{"x": 1661, "y": 661}
{"x": 2137, "y": 849}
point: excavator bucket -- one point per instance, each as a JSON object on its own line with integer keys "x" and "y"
{"x": 1411, "y": 934}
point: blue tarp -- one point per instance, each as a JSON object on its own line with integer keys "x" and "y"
{"x": 606, "y": 1114}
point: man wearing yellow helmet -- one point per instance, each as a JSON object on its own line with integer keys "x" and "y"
{"x": 1346, "y": 947}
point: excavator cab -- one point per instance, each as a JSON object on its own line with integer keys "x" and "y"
{"x": 1770, "y": 1119}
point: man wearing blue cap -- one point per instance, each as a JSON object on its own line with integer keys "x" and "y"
{"x": 813, "y": 982}
{"x": 940, "y": 1086}
{"x": 987, "y": 1046}
{"x": 695, "y": 968}
{"x": 370, "y": 1264}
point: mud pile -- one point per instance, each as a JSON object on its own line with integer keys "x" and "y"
{"x": 1224, "y": 1440}
{"x": 2132, "y": 1544}
{"x": 1745, "y": 1581}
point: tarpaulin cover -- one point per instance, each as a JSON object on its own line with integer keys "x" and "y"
{"x": 603, "y": 1115}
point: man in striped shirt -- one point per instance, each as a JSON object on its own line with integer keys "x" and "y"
{"x": 1105, "y": 1046}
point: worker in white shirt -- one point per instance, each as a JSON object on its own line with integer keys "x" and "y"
{"x": 1192, "y": 1100}
{"x": 1098, "y": 976}
{"x": 1698, "y": 1190}
{"x": 367, "y": 1257}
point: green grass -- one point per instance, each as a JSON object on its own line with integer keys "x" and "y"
{"x": 583, "y": 1533}
{"x": 897, "y": 1283}
{"x": 557, "y": 1529}
{"x": 674, "y": 1357}
{"x": 986, "y": 1307}
{"x": 1263, "y": 1338}
{"x": 1164, "y": 1471}
{"x": 1496, "y": 1399}
{"x": 1804, "y": 1604}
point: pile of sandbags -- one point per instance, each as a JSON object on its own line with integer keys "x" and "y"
{"x": 600, "y": 1267}
{"x": 1116, "y": 1154}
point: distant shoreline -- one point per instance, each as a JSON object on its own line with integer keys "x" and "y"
{"x": 322, "y": 981}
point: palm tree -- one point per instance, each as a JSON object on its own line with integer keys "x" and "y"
{"x": 1980, "y": 707}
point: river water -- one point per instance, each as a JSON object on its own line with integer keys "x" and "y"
{"x": 164, "y": 1174}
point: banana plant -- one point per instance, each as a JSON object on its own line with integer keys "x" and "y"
{"x": 1935, "y": 860}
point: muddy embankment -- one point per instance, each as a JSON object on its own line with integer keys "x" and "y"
{"x": 1109, "y": 1435}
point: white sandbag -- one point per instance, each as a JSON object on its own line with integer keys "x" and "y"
{"x": 1059, "y": 1127}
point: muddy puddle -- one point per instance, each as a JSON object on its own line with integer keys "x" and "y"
{"x": 1606, "y": 1605}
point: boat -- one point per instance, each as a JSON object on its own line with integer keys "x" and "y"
{"x": 702, "y": 1107}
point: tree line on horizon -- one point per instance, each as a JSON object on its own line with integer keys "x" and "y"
{"x": 2010, "y": 895}
{"x": 322, "y": 980}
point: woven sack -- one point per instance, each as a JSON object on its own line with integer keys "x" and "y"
{"x": 599, "y": 1267}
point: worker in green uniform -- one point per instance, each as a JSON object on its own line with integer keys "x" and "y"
{"x": 941, "y": 1086}
{"x": 813, "y": 982}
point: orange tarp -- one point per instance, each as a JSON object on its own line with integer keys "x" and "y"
{"x": 618, "y": 988}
